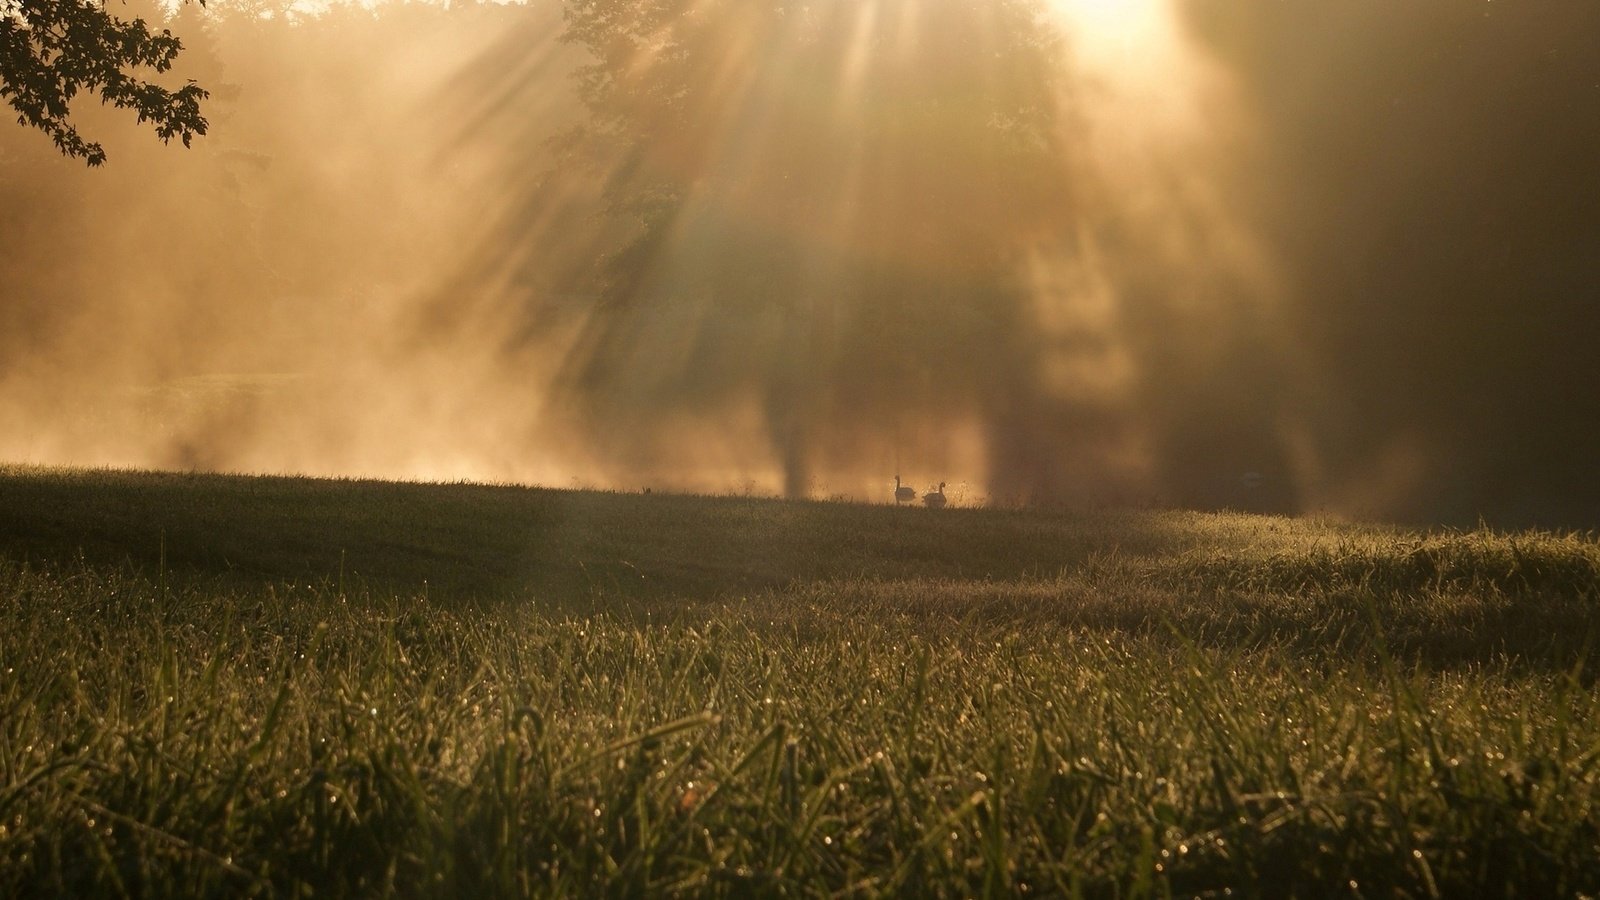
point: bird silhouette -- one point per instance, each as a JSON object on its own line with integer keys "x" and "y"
{"x": 935, "y": 499}
{"x": 903, "y": 493}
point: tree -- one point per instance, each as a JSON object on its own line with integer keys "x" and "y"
{"x": 833, "y": 204}
{"x": 51, "y": 51}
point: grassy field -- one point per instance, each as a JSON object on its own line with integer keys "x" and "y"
{"x": 232, "y": 686}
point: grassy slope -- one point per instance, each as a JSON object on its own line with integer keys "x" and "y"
{"x": 343, "y": 687}
{"x": 520, "y": 541}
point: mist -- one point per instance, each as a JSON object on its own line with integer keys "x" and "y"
{"x": 1250, "y": 254}
{"x": 1426, "y": 191}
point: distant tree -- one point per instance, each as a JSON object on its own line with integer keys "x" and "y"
{"x": 51, "y": 51}
{"x": 818, "y": 195}
{"x": 959, "y": 126}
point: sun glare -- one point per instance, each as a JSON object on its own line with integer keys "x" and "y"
{"x": 1116, "y": 21}
{"x": 1130, "y": 45}
{"x": 1136, "y": 55}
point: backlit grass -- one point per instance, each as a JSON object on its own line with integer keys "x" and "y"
{"x": 236, "y": 686}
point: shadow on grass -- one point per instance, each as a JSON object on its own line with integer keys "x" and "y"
{"x": 1445, "y": 599}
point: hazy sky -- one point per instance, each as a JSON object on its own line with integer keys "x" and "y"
{"x": 1285, "y": 256}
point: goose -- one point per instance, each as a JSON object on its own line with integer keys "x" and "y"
{"x": 935, "y": 499}
{"x": 903, "y": 493}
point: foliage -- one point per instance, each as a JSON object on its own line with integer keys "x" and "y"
{"x": 814, "y": 196}
{"x": 966, "y": 111}
{"x": 51, "y": 51}
{"x": 993, "y": 703}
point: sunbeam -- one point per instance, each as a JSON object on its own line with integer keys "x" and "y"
{"x": 1252, "y": 255}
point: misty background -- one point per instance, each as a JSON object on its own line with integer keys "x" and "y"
{"x": 1289, "y": 257}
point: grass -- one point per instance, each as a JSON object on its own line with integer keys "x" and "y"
{"x": 232, "y": 686}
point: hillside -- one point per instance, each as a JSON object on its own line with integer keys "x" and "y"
{"x": 218, "y": 685}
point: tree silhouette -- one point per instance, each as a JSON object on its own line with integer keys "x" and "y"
{"x": 826, "y": 205}
{"x": 51, "y": 51}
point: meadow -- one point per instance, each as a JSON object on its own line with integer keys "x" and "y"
{"x": 251, "y": 686}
